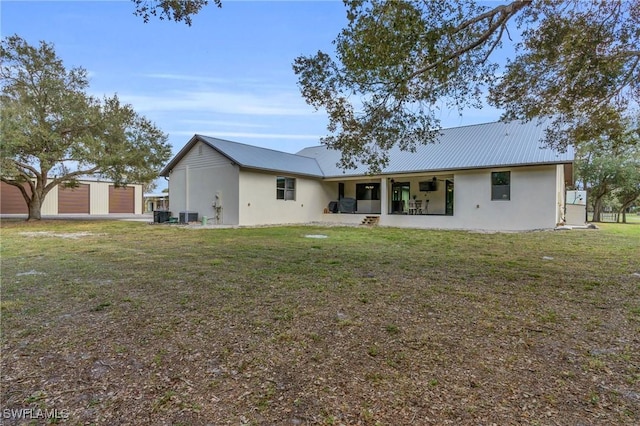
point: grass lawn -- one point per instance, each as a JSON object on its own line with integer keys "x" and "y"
{"x": 633, "y": 218}
{"x": 115, "y": 323}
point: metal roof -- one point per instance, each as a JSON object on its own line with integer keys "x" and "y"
{"x": 496, "y": 144}
{"x": 499, "y": 144}
{"x": 253, "y": 157}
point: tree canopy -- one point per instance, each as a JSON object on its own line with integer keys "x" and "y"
{"x": 397, "y": 62}
{"x": 172, "y": 10}
{"x": 610, "y": 168}
{"x": 52, "y": 132}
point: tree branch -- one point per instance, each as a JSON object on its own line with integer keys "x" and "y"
{"x": 69, "y": 176}
{"x": 504, "y": 9}
{"x": 27, "y": 167}
{"x": 20, "y": 186}
{"x": 506, "y": 12}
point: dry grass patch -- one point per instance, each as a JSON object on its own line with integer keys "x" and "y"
{"x": 139, "y": 324}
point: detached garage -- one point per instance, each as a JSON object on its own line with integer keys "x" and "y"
{"x": 89, "y": 197}
{"x": 74, "y": 200}
{"x": 11, "y": 200}
{"x": 122, "y": 199}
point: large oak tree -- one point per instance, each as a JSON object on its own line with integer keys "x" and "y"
{"x": 397, "y": 62}
{"x": 52, "y": 132}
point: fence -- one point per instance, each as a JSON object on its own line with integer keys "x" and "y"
{"x": 604, "y": 217}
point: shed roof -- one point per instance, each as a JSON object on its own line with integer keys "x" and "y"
{"x": 497, "y": 144}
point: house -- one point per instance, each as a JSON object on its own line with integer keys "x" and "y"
{"x": 90, "y": 197}
{"x": 494, "y": 176}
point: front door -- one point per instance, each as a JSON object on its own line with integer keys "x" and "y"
{"x": 400, "y": 192}
{"x": 449, "y": 198}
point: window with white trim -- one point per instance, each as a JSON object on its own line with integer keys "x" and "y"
{"x": 285, "y": 188}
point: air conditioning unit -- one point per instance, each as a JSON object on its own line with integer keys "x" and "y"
{"x": 186, "y": 217}
{"x": 161, "y": 216}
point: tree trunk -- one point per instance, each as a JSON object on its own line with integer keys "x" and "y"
{"x": 597, "y": 207}
{"x": 35, "y": 207}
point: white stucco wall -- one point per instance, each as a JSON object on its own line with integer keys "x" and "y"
{"x": 197, "y": 178}
{"x": 533, "y": 204}
{"x": 561, "y": 192}
{"x": 249, "y": 196}
{"x": 177, "y": 187}
{"x": 259, "y": 205}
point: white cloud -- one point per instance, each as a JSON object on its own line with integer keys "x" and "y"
{"x": 220, "y": 102}
{"x": 225, "y": 123}
{"x": 185, "y": 77}
{"x": 242, "y": 83}
{"x": 250, "y": 135}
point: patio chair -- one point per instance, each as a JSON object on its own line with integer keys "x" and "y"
{"x": 412, "y": 206}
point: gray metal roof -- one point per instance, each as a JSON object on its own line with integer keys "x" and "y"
{"x": 263, "y": 158}
{"x": 253, "y": 157}
{"x": 496, "y": 144}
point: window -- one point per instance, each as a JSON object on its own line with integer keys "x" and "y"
{"x": 500, "y": 185}
{"x": 285, "y": 188}
{"x": 368, "y": 191}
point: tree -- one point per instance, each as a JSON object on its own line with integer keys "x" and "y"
{"x": 52, "y": 132}
{"x": 397, "y": 61}
{"x": 172, "y": 10}
{"x": 628, "y": 188}
{"x": 610, "y": 168}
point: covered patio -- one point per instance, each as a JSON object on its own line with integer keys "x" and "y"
{"x": 411, "y": 195}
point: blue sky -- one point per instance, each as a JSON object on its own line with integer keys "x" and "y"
{"x": 229, "y": 75}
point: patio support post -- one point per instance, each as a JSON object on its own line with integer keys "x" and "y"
{"x": 384, "y": 196}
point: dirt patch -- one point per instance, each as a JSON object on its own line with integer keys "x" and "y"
{"x": 31, "y": 272}
{"x": 52, "y": 234}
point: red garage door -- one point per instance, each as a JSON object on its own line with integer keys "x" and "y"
{"x": 121, "y": 200}
{"x": 73, "y": 200}
{"x": 11, "y": 200}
